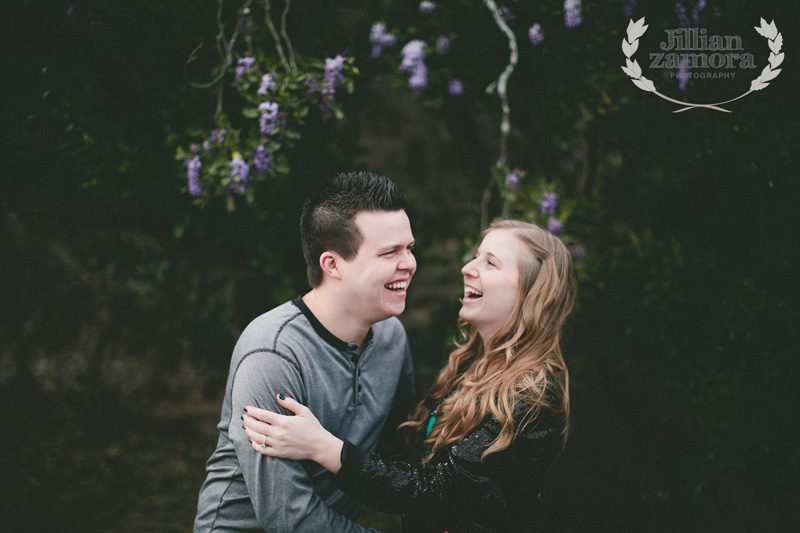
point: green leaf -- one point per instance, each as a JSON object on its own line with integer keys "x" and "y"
{"x": 250, "y": 112}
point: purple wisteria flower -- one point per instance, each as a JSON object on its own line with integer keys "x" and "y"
{"x": 380, "y": 39}
{"x": 511, "y": 181}
{"x": 442, "y": 45}
{"x": 680, "y": 12}
{"x": 627, "y": 11}
{"x": 554, "y": 226}
{"x": 312, "y": 83}
{"x": 455, "y": 88}
{"x": 684, "y": 72}
{"x": 330, "y": 79}
{"x": 535, "y": 34}
{"x": 426, "y": 7}
{"x": 261, "y": 160}
{"x": 243, "y": 65}
{"x": 508, "y": 15}
{"x": 333, "y": 74}
{"x": 71, "y": 10}
{"x": 699, "y": 6}
{"x": 572, "y": 13}
{"x": 684, "y": 75}
{"x": 239, "y": 172}
{"x": 388, "y": 40}
{"x": 216, "y": 137}
{"x": 413, "y": 55}
{"x": 193, "y": 167}
{"x": 267, "y": 84}
{"x": 375, "y": 33}
{"x": 269, "y": 116}
{"x": 194, "y": 148}
{"x": 548, "y": 204}
{"x": 578, "y": 252}
{"x": 419, "y": 78}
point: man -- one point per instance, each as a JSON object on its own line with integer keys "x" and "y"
{"x": 337, "y": 350}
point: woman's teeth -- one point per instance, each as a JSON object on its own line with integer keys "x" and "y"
{"x": 469, "y": 292}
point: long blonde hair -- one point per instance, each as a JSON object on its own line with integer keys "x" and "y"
{"x": 523, "y": 366}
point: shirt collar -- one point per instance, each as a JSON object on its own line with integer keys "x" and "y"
{"x": 323, "y": 332}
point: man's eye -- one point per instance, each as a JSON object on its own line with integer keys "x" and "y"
{"x": 490, "y": 263}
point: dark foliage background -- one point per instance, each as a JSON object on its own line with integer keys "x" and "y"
{"x": 120, "y": 300}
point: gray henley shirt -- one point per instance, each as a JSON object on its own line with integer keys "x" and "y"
{"x": 288, "y": 351}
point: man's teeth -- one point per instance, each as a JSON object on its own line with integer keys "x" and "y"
{"x": 469, "y": 291}
{"x": 397, "y": 285}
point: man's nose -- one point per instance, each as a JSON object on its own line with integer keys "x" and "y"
{"x": 408, "y": 262}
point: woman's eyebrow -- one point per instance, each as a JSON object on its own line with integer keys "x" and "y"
{"x": 495, "y": 257}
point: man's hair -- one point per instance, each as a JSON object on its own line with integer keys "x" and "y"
{"x": 328, "y": 219}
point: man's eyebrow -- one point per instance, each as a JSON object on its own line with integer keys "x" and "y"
{"x": 390, "y": 247}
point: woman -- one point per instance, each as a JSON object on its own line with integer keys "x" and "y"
{"x": 495, "y": 419}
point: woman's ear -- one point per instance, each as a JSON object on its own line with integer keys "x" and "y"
{"x": 329, "y": 263}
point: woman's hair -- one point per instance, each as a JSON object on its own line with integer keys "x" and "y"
{"x": 522, "y": 369}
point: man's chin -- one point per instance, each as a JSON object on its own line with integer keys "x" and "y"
{"x": 393, "y": 310}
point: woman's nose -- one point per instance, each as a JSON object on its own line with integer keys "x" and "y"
{"x": 469, "y": 269}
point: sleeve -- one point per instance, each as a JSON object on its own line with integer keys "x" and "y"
{"x": 401, "y": 405}
{"x": 458, "y": 479}
{"x": 281, "y": 490}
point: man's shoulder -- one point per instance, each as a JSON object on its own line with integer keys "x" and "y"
{"x": 265, "y": 331}
{"x": 275, "y": 318}
{"x": 389, "y": 330}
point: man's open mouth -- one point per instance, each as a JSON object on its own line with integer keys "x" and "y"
{"x": 397, "y": 286}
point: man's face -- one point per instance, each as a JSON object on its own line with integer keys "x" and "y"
{"x": 376, "y": 279}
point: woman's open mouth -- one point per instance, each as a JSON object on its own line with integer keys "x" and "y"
{"x": 472, "y": 294}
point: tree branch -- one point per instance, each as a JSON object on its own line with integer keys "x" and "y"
{"x": 275, "y": 36}
{"x": 501, "y": 85}
{"x": 286, "y": 36}
{"x": 225, "y": 46}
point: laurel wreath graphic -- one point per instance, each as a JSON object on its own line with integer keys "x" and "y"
{"x": 631, "y": 44}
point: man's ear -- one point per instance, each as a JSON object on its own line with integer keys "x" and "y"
{"x": 329, "y": 263}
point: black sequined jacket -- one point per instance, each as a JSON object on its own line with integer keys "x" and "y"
{"x": 456, "y": 491}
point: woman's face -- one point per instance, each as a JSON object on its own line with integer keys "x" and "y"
{"x": 491, "y": 282}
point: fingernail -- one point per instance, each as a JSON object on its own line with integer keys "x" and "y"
{"x": 245, "y": 409}
{"x": 242, "y": 417}
{"x": 281, "y": 396}
{"x": 244, "y": 427}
